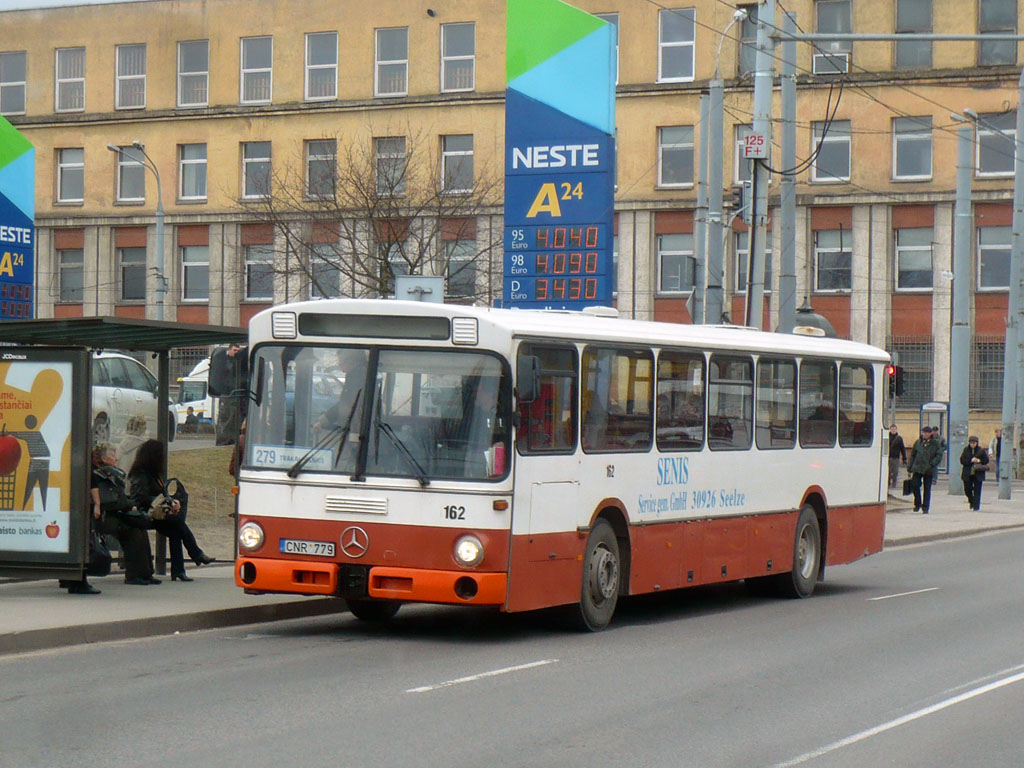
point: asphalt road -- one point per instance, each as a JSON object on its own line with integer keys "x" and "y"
{"x": 910, "y": 658}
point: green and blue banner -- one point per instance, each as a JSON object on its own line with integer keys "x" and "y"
{"x": 559, "y": 156}
{"x": 17, "y": 217}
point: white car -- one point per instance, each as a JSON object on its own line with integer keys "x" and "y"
{"x": 124, "y": 398}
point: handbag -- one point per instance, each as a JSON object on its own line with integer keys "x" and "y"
{"x": 179, "y": 494}
{"x": 160, "y": 507}
{"x": 100, "y": 559}
{"x": 908, "y": 487}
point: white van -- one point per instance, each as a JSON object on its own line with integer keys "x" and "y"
{"x": 194, "y": 392}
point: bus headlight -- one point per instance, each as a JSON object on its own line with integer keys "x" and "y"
{"x": 469, "y": 552}
{"x": 250, "y": 536}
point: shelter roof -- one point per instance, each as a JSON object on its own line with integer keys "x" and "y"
{"x": 117, "y": 333}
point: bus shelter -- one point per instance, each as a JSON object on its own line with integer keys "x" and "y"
{"x": 46, "y": 431}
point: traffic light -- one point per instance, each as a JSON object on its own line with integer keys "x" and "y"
{"x": 894, "y": 376}
{"x": 738, "y": 195}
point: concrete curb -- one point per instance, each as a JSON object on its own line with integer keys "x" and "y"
{"x": 941, "y": 535}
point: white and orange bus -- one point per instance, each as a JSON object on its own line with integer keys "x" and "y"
{"x": 527, "y": 459}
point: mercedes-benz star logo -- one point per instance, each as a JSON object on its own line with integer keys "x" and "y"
{"x": 354, "y": 541}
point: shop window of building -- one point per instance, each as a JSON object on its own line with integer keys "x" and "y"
{"x": 986, "y": 388}
{"x": 256, "y": 169}
{"x": 996, "y": 143}
{"x": 195, "y": 273}
{"x": 194, "y": 73}
{"x": 915, "y": 355}
{"x": 132, "y": 266}
{"x": 676, "y": 28}
{"x": 748, "y": 41}
{"x": 613, "y": 19}
{"x": 12, "y": 83}
{"x": 69, "y": 93}
{"x": 131, "y": 175}
{"x": 457, "y": 164}
{"x": 912, "y": 148}
{"x": 70, "y": 274}
{"x": 391, "y": 74}
{"x": 257, "y": 74}
{"x": 994, "y": 246}
{"x": 914, "y": 259}
{"x": 997, "y": 16}
{"x": 321, "y": 169}
{"x": 393, "y": 263}
{"x": 833, "y": 259}
{"x": 675, "y": 263}
{"x": 321, "y": 66}
{"x": 832, "y": 162}
{"x": 259, "y": 272}
{"x": 192, "y": 171}
{"x": 461, "y": 262}
{"x": 458, "y": 57}
{"x": 832, "y": 56}
{"x": 389, "y": 159}
{"x": 742, "y": 249}
{"x": 913, "y": 16}
{"x": 675, "y": 156}
{"x": 325, "y": 275}
{"x": 740, "y": 165}
{"x": 70, "y": 175}
{"x": 131, "y": 77}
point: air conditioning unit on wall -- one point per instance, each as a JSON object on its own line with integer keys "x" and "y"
{"x": 830, "y": 63}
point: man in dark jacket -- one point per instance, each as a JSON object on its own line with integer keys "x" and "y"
{"x": 925, "y": 457}
{"x": 897, "y": 455}
{"x": 973, "y": 459}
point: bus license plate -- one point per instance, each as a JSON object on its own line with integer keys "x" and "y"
{"x": 301, "y": 547}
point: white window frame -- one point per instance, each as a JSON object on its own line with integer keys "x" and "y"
{"x": 911, "y": 136}
{"x": 310, "y": 68}
{"x": 998, "y": 28}
{"x": 63, "y": 166}
{"x": 331, "y": 158}
{"x": 203, "y": 73}
{"x": 841, "y": 248}
{"x": 7, "y": 86}
{"x": 243, "y": 72}
{"x": 831, "y": 138}
{"x": 329, "y": 262}
{"x": 445, "y": 58}
{"x": 187, "y": 266}
{"x": 913, "y": 28}
{"x": 901, "y": 250}
{"x": 378, "y": 63}
{"x": 448, "y": 155}
{"x": 125, "y": 163}
{"x": 247, "y": 161}
{"x": 399, "y": 189}
{"x": 60, "y": 82}
{"x": 265, "y": 256}
{"x": 686, "y": 254}
{"x": 744, "y": 253}
{"x": 122, "y": 266}
{"x": 125, "y": 80}
{"x": 66, "y": 267}
{"x": 462, "y": 254}
{"x": 982, "y": 132}
{"x": 1005, "y": 247}
{"x": 613, "y": 19}
{"x": 835, "y": 46}
{"x": 662, "y": 146}
{"x": 185, "y": 163}
{"x": 691, "y": 44}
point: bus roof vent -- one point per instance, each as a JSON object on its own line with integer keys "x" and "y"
{"x": 283, "y": 325}
{"x": 601, "y": 311}
{"x": 464, "y": 331}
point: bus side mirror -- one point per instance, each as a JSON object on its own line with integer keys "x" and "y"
{"x": 257, "y": 396}
{"x": 528, "y": 378}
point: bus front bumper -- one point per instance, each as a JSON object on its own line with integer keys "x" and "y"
{"x": 384, "y": 582}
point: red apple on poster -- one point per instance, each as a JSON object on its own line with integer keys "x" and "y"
{"x": 10, "y": 453}
{"x": 53, "y": 530}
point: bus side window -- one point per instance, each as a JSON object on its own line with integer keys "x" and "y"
{"x": 680, "y": 403}
{"x": 617, "y": 399}
{"x": 730, "y": 403}
{"x": 548, "y": 423}
{"x": 856, "y": 394}
{"x": 817, "y": 404}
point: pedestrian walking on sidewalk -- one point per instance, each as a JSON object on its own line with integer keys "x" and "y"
{"x": 975, "y": 462}
{"x": 897, "y": 454}
{"x": 995, "y": 450}
{"x": 922, "y": 466}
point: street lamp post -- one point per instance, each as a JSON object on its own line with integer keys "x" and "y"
{"x": 161, "y": 281}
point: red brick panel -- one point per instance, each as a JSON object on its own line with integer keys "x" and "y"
{"x": 671, "y": 311}
{"x": 68, "y": 238}
{"x": 458, "y": 229}
{"x": 198, "y": 314}
{"x": 832, "y": 217}
{"x": 993, "y": 215}
{"x": 130, "y": 237}
{"x": 990, "y": 313}
{"x": 248, "y": 310}
{"x": 257, "y": 234}
{"x": 67, "y": 310}
{"x": 913, "y": 216}
{"x": 836, "y": 309}
{"x": 912, "y": 314}
{"x": 194, "y": 234}
{"x": 134, "y": 311}
{"x": 673, "y": 223}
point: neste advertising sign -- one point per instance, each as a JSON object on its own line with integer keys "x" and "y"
{"x": 17, "y": 214}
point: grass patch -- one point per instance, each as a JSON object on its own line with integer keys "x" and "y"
{"x": 204, "y": 471}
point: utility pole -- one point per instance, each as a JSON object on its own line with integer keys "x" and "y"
{"x": 960, "y": 332}
{"x": 762, "y": 133}
{"x": 713, "y": 297}
{"x": 701, "y": 225}
{"x": 787, "y": 257}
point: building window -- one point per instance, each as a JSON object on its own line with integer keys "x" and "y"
{"x": 393, "y": 263}
{"x": 325, "y": 282}
{"x": 997, "y": 134}
{"x": 832, "y": 260}
{"x": 131, "y": 77}
{"x": 70, "y": 175}
{"x": 994, "y": 245}
{"x": 321, "y": 168}
{"x": 457, "y": 163}
{"x": 389, "y": 157}
{"x": 997, "y": 16}
{"x": 131, "y": 175}
{"x": 742, "y": 257}
{"x": 391, "y": 75}
{"x": 194, "y": 73}
{"x": 916, "y": 357}
{"x": 675, "y": 156}
{"x": 132, "y": 263}
{"x": 913, "y": 16}
{"x": 259, "y": 272}
{"x": 70, "y": 91}
{"x": 912, "y": 148}
{"x": 192, "y": 171}
{"x": 832, "y": 16}
{"x": 741, "y": 166}
{"x": 322, "y": 66}
{"x": 613, "y": 19}
{"x": 195, "y": 273}
{"x": 748, "y": 41}
{"x": 458, "y": 56}
{"x": 675, "y": 263}
{"x": 460, "y": 261}
{"x": 676, "y": 44}
{"x": 256, "y": 169}
{"x": 832, "y": 162}
{"x": 12, "y": 83}
{"x": 257, "y": 70}
{"x": 69, "y": 274}
{"x": 914, "y": 259}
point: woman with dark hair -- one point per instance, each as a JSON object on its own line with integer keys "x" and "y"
{"x": 145, "y": 482}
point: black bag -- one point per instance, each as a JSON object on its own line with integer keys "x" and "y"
{"x": 179, "y": 494}
{"x": 99, "y": 560}
{"x": 908, "y": 487}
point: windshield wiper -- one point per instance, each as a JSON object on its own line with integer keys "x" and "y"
{"x": 323, "y": 441}
{"x": 404, "y": 452}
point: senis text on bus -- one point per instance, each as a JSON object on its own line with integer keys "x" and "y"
{"x": 674, "y": 471}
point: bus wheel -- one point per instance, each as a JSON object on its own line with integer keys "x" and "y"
{"x": 373, "y": 610}
{"x": 806, "y": 556}
{"x": 601, "y": 577}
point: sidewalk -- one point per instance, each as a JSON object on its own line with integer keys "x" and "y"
{"x": 35, "y": 615}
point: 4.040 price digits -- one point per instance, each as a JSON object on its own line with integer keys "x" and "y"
{"x": 566, "y": 237}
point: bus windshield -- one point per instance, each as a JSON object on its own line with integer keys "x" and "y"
{"x": 421, "y": 414}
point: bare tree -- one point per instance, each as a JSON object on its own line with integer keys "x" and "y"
{"x": 350, "y": 216}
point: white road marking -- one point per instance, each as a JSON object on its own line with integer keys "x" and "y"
{"x": 971, "y": 693}
{"x": 482, "y": 675}
{"x": 904, "y": 594}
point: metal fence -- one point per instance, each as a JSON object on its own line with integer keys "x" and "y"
{"x": 916, "y": 356}
{"x": 986, "y": 391}
{"x": 183, "y": 359}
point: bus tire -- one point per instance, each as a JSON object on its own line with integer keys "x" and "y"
{"x": 373, "y": 610}
{"x": 601, "y": 578}
{"x": 799, "y": 583}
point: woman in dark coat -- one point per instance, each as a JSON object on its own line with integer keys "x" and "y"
{"x": 120, "y": 517}
{"x": 973, "y": 458}
{"x": 145, "y": 483}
